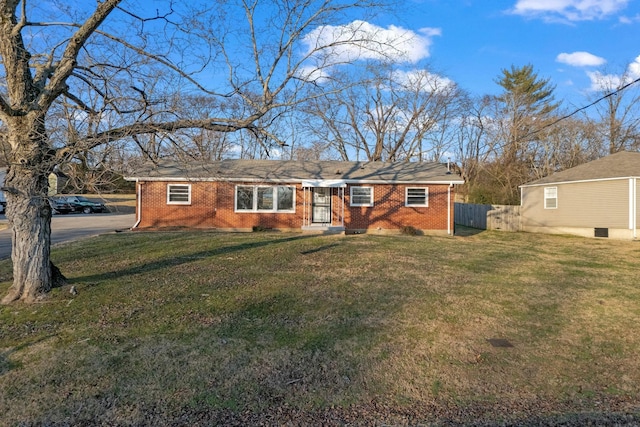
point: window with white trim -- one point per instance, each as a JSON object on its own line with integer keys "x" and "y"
{"x": 361, "y": 196}
{"x": 285, "y": 197}
{"x": 244, "y": 198}
{"x": 264, "y": 198}
{"x": 178, "y": 194}
{"x": 551, "y": 197}
{"x": 416, "y": 196}
{"x": 260, "y": 198}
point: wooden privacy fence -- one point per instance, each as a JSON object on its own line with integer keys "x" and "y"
{"x": 488, "y": 217}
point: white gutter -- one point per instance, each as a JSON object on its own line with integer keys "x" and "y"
{"x": 578, "y": 181}
{"x": 138, "y": 204}
{"x": 323, "y": 183}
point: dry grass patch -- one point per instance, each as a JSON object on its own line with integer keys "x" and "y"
{"x": 211, "y": 325}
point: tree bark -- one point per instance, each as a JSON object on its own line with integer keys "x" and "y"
{"x": 28, "y": 209}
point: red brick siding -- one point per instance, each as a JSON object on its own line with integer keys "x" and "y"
{"x": 228, "y": 218}
{"x": 389, "y": 210}
{"x": 212, "y": 206}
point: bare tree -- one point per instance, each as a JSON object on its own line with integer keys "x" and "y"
{"x": 616, "y": 120}
{"x": 124, "y": 69}
{"x": 564, "y": 146}
{"x": 388, "y": 115}
{"x": 470, "y": 139}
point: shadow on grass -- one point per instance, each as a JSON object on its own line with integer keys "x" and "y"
{"x": 464, "y": 231}
{"x": 7, "y": 365}
{"x": 318, "y": 249}
{"x": 174, "y": 261}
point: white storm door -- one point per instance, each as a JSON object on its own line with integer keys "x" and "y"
{"x": 321, "y": 205}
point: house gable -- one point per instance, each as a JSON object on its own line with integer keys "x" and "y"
{"x": 624, "y": 164}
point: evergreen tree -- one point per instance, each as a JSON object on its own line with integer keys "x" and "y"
{"x": 527, "y": 103}
{"x": 521, "y": 112}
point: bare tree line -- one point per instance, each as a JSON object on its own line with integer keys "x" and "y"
{"x": 383, "y": 113}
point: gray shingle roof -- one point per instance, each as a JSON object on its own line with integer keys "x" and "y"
{"x": 296, "y": 171}
{"x": 619, "y": 165}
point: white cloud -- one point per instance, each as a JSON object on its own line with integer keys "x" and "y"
{"x": 580, "y": 59}
{"x": 610, "y": 82}
{"x": 568, "y": 10}
{"x": 629, "y": 19}
{"x": 361, "y": 40}
{"x": 603, "y": 82}
{"x": 313, "y": 74}
{"x": 633, "y": 70}
{"x": 421, "y": 80}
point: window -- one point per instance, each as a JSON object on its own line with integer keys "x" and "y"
{"x": 265, "y": 198}
{"x": 417, "y": 197}
{"x": 361, "y": 196}
{"x": 244, "y": 198}
{"x": 551, "y": 197}
{"x": 285, "y": 198}
{"x": 178, "y": 194}
{"x": 250, "y": 198}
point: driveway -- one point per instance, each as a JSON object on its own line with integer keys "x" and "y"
{"x": 65, "y": 228}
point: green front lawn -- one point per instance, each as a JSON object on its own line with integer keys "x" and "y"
{"x": 213, "y": 328}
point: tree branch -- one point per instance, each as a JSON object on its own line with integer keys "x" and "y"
{"x": 67, "y": 64}
{"x": 142, "y": 128}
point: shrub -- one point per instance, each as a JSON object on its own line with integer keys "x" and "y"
{"x": 409, "y": 230}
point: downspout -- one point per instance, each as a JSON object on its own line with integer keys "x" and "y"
{"x": 633, "y": 206}
{"x": 343, "y": 191}
{"x": 449, "y": 208}
{"x": 304, "y": 206}
{"x": 138, "y": 204}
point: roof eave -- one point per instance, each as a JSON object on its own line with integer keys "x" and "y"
{"x": 578, "y": 181}
{"x": 290, "y": 180}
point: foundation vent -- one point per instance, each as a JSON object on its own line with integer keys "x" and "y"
{"x": 600, "y": 232}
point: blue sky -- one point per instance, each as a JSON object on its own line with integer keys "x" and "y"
{"x": 575, "y": 43}
{"x": 478, "y": 38}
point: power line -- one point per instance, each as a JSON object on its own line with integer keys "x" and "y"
{"x": 615, "y": 92}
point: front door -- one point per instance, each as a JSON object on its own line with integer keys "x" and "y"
{"x": 321, "y": 205}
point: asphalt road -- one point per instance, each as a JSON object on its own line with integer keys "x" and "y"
{"x": 65, "y": 228}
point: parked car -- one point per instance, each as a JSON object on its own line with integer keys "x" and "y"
{"x": 84, "y": 205}
{"x": 3, "y": 203}
{"x": 60, "y": 205}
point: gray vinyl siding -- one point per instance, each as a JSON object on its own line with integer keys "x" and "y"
{"x": 583, "y": 204}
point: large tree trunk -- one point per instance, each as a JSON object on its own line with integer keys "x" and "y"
{"x": 28, "y": 209}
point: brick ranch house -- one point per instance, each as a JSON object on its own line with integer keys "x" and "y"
{"x": 322, "y": 196}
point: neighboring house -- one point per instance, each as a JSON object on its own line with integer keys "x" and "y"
{"x": 596, "y": 199}
{"x": 295, "y": 195}
{"x": 57, "y": 181}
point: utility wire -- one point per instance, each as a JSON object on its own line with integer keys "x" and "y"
{"x": 615, "y": 92}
